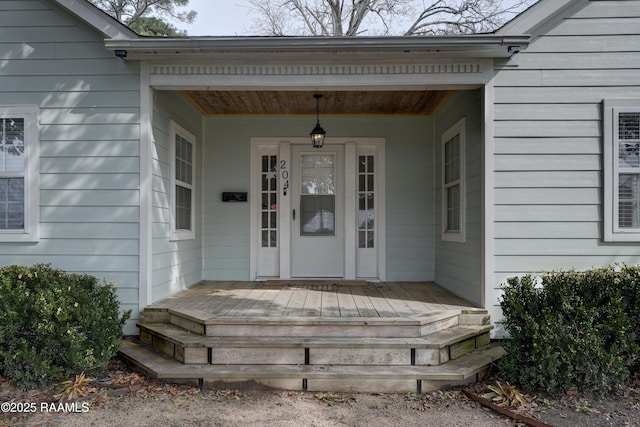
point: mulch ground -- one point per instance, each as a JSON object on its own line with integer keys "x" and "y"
{"x": 619, "y": 408}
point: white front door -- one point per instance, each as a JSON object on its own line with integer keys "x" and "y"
{"x": 317, "y": 211}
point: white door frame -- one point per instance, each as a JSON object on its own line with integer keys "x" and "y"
{"x": 282, "y": 147}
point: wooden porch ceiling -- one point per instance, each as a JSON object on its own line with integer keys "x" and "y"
{"x": 411, "y": 103}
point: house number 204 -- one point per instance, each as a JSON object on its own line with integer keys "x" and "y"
{"x": 284, "y": 174}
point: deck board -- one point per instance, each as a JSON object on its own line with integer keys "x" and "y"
{"x": 346, "y": 303}
{"x": 364, "y": 304}
{"x": 330, "y": 304}
{"x": 313, "y": 303}
{"x": 253, "y": 299}
{"x": 379, "y": 302}
{"x": 279, "y": 304}
{"x": 296, "y": 303}
{"x": 400, "y": 303}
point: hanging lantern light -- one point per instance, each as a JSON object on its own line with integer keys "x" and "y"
{"x": 317, "y": 134}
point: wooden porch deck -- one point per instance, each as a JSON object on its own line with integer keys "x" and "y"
{"x": 325, "y": 299}
{"x": 315, "y": 336}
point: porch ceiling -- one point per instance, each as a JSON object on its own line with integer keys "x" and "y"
{"x": 414, "y": 103}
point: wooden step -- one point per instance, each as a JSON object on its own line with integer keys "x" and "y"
{"x": 208, "y": 324}
{"x": 361, "y": 378}
{"x": 432, "y": 349}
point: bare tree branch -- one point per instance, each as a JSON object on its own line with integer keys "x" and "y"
{"x": 355, "y": 17}
{"x": 131, "y": 12}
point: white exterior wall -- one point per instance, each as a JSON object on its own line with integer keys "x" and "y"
{"x": 458, "y": 265}
{"x": 89, "y": 144}
{"x": 548, "y": 177}
{"x": 409, "y": 189}
{"x": 176, "y": 264}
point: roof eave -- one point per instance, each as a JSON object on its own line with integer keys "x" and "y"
{"x": 483, "y": 45}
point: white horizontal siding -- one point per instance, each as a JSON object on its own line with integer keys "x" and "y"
{"x": 584, "y": 63}
{"x": 599, "y": 9}
{"x": 78, "y": 181}
{"x": 557, "y": 95}
{"x": 548, "y": 196}
{"x": 459, "y": 264}
{"x": 41, "y": 49}
{"x": 89, "y": 143}
{"x": 551, "y": 162}
{"x": 549, "y": 179}
{"x": 531, "y": 112}
{"x": 90, "y": 214}
{"x": 545, "y": 146}
{"x": 552, "y": 212}
{"x": 548, "y": 142}
{"x": 175, "y": 265}
{"x": 558, "y": 245}
{"x": 579, "y": 44}
{"x": 603, "y": 76}
{"x": 101, "y": 148}
{"x": 597, "y": 26}
{"x": 66, "y": 85}
{"x": 103, "y": 67}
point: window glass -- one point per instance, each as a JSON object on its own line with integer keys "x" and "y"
{"x": 12, "y": 162}
{"x": 453, "y": 183}
{"x": 317, "y": 195}
{"x": 183, "y": 180}
{"x": 12, "y": 203}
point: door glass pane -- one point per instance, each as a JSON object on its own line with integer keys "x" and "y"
{"x": 317, "y": 215}
{"x": 366, "y": 205}
{"x": 268, "y": 214}
{"x": 317, "y": 171}
{"x": 317, "y": 195}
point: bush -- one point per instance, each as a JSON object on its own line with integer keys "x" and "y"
{"x": 54, "y": 325}
{"x": 577, "y": 330}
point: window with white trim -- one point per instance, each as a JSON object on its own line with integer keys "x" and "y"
{"x": 182, "y": 183}
{"x": 19, "y": 173}
{"x": 622, "y": 170}
{"x": 453, "y": 183}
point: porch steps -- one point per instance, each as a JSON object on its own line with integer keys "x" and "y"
{"x": 206, "y": 324}
{"x": 418, "y": 353}
{"x": 432, "y": 349}
{"x": 348, "y": 378}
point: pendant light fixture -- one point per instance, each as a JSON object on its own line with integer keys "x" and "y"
{"x": 317, "y": 134}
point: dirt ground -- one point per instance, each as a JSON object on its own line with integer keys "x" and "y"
{"x": 120, "y": 397}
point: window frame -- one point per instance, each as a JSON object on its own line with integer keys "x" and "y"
{"x": 30, "y": 173}
{"x": 181, "y": 234}
{"x": 612, "y": 231}
{"x": 458, "y": 129}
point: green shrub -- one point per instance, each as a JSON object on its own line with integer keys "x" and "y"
{"x": 54, "y": 325}
{"x": 576, "y": 330}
